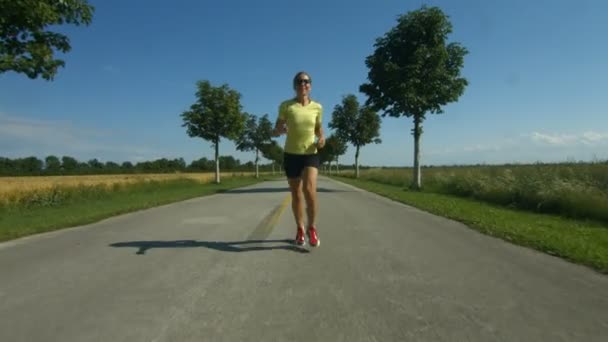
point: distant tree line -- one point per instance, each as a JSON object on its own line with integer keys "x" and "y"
{"x": 55, "y": 166}
{"x": 52, "y": 165}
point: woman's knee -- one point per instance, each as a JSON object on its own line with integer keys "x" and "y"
{"x": 297, "y": 195}
{"x": 309, "y": 191}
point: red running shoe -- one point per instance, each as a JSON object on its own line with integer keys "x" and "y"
{"x": 300, "y": 237}
{"x": 313, "y": 239}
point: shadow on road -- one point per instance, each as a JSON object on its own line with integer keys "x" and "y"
{"x": 224, "y": 246}
{"x": 269, "y": 190}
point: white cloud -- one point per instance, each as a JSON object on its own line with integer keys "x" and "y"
{"x": 42, "y": 131}
{"x": 553, "y": 139}
{"x": 488, "y": 146}
{"x": 594, "y": 137}
{"x": 589, "y": 138}
{"x": 535, "y": 146}
{"x": 21, "y": 137}
{"x": 481, "y": 148}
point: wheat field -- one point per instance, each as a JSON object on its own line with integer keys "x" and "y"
{"x": 14, "y": 189}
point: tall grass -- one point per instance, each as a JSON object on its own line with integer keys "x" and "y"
{"x": 572, "y": 190}
{"x": 60, "y": 194}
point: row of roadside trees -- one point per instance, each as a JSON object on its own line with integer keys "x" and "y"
{"x": 217, "y": 114}
{"x": 413, "y": 71}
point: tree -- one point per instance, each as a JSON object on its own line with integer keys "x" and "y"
{"x": 127, "y": 166}
{"x": 52, "y": 165}
{"x": 356, "y": 125}
{"x": 69, "y": 164}
{"x": 95, "y": 165}
{"x": 215, "y": 114}
{"x": 111, "y": 167}
{"x": 273, "y": 152}
{"x": 29, "y": 166}
{"x": 338, "y": 147}
{"x": 249, "y": 166}
{"x": 326, "y": 154}
{"x": 26, "y": 46}
{"x": 178, "y": 164}
{"x": 7, "y": 166}
{"x": 83, "y": 168}
{"x": 202, "y": 164}
{"x": 413, "y": 71}
{"x": 257, "y": 133}
{"x": 229, "y": 163}
{"x": 334, "y": 148}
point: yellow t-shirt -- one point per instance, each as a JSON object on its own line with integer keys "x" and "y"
{"x": 301, "y": 121}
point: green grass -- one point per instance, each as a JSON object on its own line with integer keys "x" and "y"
{"x": 580, "y": 241}
{"x": 63, "y": 208}
{"x": 575, "y": 190}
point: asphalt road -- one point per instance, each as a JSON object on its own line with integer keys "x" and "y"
{"x": 222, "y": 268}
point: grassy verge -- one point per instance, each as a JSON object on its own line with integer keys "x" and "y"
{"x": 583, "y": 242}
{"x": 68, "y": 208}
{"x": 578, "y": 191}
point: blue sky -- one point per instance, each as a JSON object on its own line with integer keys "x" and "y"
{"x": 536, "y": 72}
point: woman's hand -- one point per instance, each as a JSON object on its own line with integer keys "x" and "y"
{"x": 279, "y": 128}
{"x": 321, "y": 142}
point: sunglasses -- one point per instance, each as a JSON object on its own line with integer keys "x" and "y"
{"x": 303, "y": 81}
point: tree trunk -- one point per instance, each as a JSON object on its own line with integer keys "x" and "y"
{"x": 337, "y": 167}
{"x": 273, "y": 168}
{"x": 417, "y": 132}
{"x": 357, "y": 163}
{"x": 257, "y": 158}
{"x": 217, "y": 161}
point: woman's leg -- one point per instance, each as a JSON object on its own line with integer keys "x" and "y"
{"x": 297, "y": 206}
{"x": 297, "y": 200}
{"x": 309, "y": 180}
{"x": 293, "y": 170}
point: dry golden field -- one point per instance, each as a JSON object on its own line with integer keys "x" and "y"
{"x": 14, "y": 188}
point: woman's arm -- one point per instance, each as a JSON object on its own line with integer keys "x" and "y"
{"x": 319, "y": 133}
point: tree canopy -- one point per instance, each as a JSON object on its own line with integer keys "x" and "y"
{"x": 273, "y": 152}
{"x": 356, "y": 125}
{"x": 257, "y": 133}
{"x": 334, "y": 148}
{"x": 26, "y": 45}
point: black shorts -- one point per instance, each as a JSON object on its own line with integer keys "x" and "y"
{"x": 295, "y": 163}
